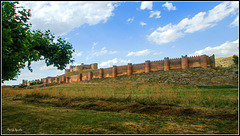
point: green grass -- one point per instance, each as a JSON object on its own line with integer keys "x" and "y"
{"x": 120, "y": 108}
{"x": 210, "y": 97}
{"x": 214, "y": 97}
{"x": 43, "y": 119}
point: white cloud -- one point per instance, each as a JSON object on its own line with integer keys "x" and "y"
{"x": 223, "y": 50}
{"x": 155, "y": 13}
{"x": 103, "y": 51}
{"x": 112, "y": 52}
{"x": 146, "y": 5}
{"x": 158, "y": 53}
{"x": 200, "y": 21}
{"x": 77, "y": 54}
{"x": 222, "y": 10}
{"x": 41, "y": 65}
{"x": 40, "y": 70}
{"x": 130, "y": 20}
{"x": 169, "y": 6}
{"x": 63, "y": 16}
{"x": 48, "y": 68}
{"x": 139, "y": 53}
{"x": 25, "y": 76}
{"x": 143, "y": 23}
{"x": 115, "y": 61}
{"x": 166, "y": 34}
{"x": 94, "y": 44}
{"x": 235, "y": 22}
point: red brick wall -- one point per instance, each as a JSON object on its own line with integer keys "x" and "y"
{"x": 166, "y": 64}
{"x": 122, "y": 70}
{"x": 67, "y": 71}
{"x": 79, "y": 68}
{"x": 95, "y": 74}
{"x": 84, "y": 76}
{"x": 138, "y": 68}
{"x": 175, "y": 63}
{"x": 61, "y": 79}
{"x": 157, "y": 65}
{"x": 74, "y": 78}
{"x": 107, "y": 72}
{"x": 194, "y": 62}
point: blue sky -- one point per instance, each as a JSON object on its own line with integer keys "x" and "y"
{"x": 118, "y": 33}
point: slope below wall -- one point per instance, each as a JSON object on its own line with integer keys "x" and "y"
{"x": 191, "y": 76}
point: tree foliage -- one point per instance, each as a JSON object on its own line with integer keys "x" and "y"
{"x": 235, "y": 59}
{"x": 21, "y": 46}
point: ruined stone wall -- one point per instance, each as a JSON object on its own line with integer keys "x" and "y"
{"x": 166, "y": 64}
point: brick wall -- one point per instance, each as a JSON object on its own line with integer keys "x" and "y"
{"x": 84, "y": 76}
{"x": 157, "y": 65}
{"x": 194, "y": 62}
{"x": 167, "y": 64}
{"x": 138, "y": 68}
{"x": 95, "y": 74}
{"x": 122, "y": 70}
{"x": 107, "y": 72}
{"x": 175, "y": 63}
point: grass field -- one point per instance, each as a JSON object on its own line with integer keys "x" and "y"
{"x": 224, "y": 61}
{"x": 120, "y": 108}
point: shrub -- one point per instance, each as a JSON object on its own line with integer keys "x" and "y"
{"x": 22, "y": 86}
{"x": 37, "y": 95}
{"x": 36, "y": 83}
{"x": 235, "y": 59}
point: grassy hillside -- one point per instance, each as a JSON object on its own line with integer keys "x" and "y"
{"x": 224, "y": 61}
{"x": 103, "y": 108}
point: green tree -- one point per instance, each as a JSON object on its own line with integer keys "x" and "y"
{"x": 21, "y": 46}
{"x": 235, "y": 59}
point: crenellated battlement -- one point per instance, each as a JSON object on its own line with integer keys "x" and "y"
{"x": 157, "y": 60}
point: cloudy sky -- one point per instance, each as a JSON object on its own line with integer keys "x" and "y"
{"x": 117, "y": 33}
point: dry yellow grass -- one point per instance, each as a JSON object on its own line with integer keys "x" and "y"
{"x": 224, "y": 61}
{"x": 145, "y": 94}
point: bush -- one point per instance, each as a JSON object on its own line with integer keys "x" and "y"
{"x": 235, "y": 59}
{"x": 36, "y": 83}
{"x": 217, "y": 68}
{"x": 37, "y": 95}
{"x": 22, "y": 86}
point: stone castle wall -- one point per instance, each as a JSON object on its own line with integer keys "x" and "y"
{"x": 81, "y": 67}
{"x": 167, "y": 64}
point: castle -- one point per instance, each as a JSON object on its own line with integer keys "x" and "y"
{"x": 81, "y": 67}
{"x": 184, "y": 62}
